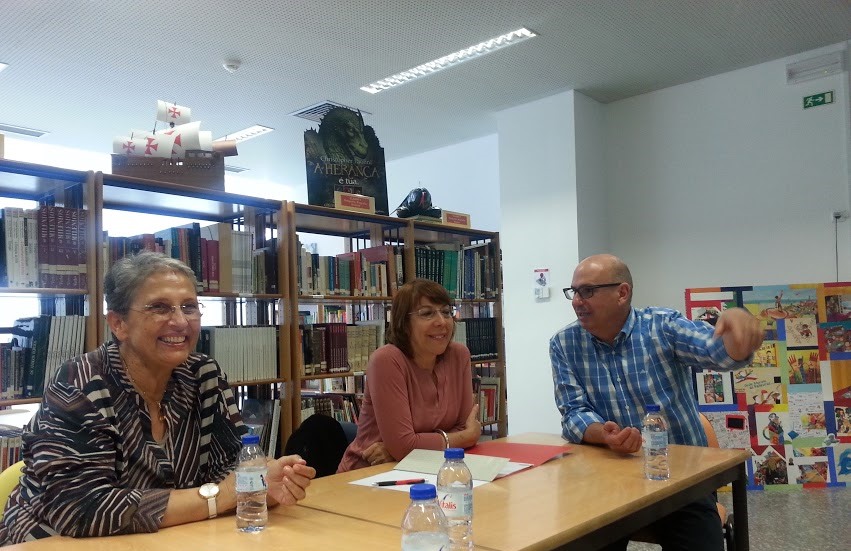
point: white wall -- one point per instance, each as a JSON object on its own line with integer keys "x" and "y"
{"x": 728, "y": 181}
{"x": 538, "y": 168}
{"x": 463, "y": 178}
{"x": 592, "y": 196}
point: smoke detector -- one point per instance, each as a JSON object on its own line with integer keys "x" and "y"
{"x": 231, "y": 65}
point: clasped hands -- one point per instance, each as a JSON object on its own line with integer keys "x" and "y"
{"x": 377, "y": 452}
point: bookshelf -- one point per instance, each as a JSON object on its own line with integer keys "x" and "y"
{"x": 245, "y": 325}
{"x": 50, "y": 289}
{"x": 378, "y": 254}
{"x": 477, "y": 306}
{"x": 468, "y": 263}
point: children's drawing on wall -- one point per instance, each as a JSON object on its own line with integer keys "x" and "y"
{"x": 838, "y": 307}
{"x": 843, "y": 420}
{"x": 812, "y": 473}
{"x": 806, "y": 415}
{"x": 770, "y": 468}
{"x": 801, "y": 332}
{"x": 715, "y": 387}
{"x": 760, "y": 385}
{"x": 771, "y": 429}
{"x": 708, "y": 314}
{"x": 791, "y": 407}
{"x": 838, "y": 339}
{"x": 804, "y": 368}
{"x": 842, "y": 459}
{"x": 731, "y": 428}
{"x": 766, "y": 356}
{"x": 840, "y": 378}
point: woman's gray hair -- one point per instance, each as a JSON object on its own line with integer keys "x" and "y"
{"x": 128, "y": 274}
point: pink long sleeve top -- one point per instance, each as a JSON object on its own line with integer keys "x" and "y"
{"x": 404, "y": 405}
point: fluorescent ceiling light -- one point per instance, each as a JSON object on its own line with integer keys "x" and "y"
{"x": 3, "y": 65}
{"x": 234, "y": 168}
{"x": 480, "y": 49}
{"x": 816, "y": 67}
{"x": 246, "y": 134}
{"x": 22, "y": 130}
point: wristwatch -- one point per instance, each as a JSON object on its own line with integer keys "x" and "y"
{"x": 209, "y": 491}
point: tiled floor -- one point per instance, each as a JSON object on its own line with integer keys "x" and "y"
{"x": 800, "y": 520}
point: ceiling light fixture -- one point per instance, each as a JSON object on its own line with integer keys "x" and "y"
{"x": 3, "y": 65}
{"x": 816, "y": 67}
{"x": 246, "y": 133}
{"x": 480, "y": 49}
{"x": 22, "y": 130}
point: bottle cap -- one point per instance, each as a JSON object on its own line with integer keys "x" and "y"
{"x": 453, "y": 453}
{"x": 423, "y": 491}
{"x": 653, "y": 408}
{"x": 248, "y": 439}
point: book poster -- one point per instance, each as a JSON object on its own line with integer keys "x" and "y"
{"x": 344, "y": 155}
{"x": 791, "y": 406}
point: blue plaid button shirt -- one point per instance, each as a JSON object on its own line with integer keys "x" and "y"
{"x": 649, "y": 363}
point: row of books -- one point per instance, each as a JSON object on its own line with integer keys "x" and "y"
{"x": 342, "y": 407}
{"x": 245, "y": 353}
{"x": 479, "y": 335}
{"x": 488, "y": 394}
{"x": 223, "y": 258}
{"x": 10, "y": 446}
{"x": 370, "y": 272}
{"x": 263, "y": 418}
{"x": 337, "y": 347}
{"x": 467, "y": 272}
{"x": 38, "y": 347}
{"x": 43, "y": 247}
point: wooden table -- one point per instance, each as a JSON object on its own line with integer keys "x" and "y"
{"x": 288, "y": 528}
{"x": 584, "y": 500}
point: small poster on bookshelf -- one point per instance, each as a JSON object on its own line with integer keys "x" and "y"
{"x": 344, "y": 155}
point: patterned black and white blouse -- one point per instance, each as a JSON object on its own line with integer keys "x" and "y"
{"x": 92, "y": 467}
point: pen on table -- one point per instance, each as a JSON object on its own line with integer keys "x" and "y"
{"x": 400, "y": 482}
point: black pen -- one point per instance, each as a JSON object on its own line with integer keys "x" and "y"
{"x": 400, "y": 482}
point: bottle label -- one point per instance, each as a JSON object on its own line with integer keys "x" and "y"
{"x": 251, "y": 481}
{"x": 655, "y": 440}
{"x": 456, "y": 503}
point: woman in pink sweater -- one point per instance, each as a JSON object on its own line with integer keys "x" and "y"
{"x": 419, "y": 388}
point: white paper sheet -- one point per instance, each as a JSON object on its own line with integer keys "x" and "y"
{"x": 483, "y": 467}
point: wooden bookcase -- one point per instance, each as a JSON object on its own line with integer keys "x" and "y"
{"x": 363, "y": 231}
{"x": 49, "y": 186}
{"x": 278, "y": 225}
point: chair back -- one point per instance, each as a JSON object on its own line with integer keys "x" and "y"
{"x": 9, "y": 478}
{"x": 321, "y": 442}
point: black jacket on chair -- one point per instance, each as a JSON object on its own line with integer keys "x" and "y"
{"x": 321, "y": 442}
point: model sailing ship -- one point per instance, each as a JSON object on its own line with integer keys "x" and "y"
{"x": 182, "y": 153}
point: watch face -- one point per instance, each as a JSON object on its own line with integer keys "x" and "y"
{"x": 209, "y": 490}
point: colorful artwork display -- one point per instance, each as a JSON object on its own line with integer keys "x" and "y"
{"x": 791, "y": 407}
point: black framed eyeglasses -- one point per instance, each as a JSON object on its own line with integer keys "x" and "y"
{"x": 586, "y": 291}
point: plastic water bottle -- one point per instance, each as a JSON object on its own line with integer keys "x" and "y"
{"x": 251, "y": 513}
{"x": 424, "y": 526}
{"x": 455, "y": 494}
{"x": 654, "y": 440}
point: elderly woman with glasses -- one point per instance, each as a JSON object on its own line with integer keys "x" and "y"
{"x": 419, "y": 387}
{"x": 143, "y": 432}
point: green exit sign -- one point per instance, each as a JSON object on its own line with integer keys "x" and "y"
{"x": 818, "y": 99}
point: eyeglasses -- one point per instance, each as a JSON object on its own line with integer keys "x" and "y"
{"x": 586, "y": 291}
{"x": 428, "y": 314}
{"x": 163, "y": 311}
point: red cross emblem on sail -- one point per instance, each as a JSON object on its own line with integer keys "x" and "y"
{"x": 151, "y": 146}
{"x": 128, "y": 147}
{"x": 174, "y": 112}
